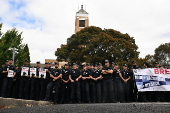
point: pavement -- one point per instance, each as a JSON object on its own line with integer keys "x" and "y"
{"x": 94, "y": 108}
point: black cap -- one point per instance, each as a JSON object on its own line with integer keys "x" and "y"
{"x": 46, "y": 62}
{"x": 56, "y": 63}
{"x": 16, "y": 66}
{"x": 38, "y": 62}
{"x": 133, "y": 62}
{"x": 100, "y": 64}
{"x": 49, "y": 62}
{"x": 116, "y": 63}
{"x": 66, "y": 64}
{"x": 146, "y": 64}
{"x": 125, "y": 65}
{"x": 6, "y": 61}
{"x": 106, "y": 61}
{"x": 84, "y": 65}
{"x": 74, "y": 64}
{"x": 88, "y": 64}
{"x": 113, "y": 63}
{"x": 26, "y": 60}
{"x": 11, "y": 59}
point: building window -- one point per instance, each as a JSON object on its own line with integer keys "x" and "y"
{"x": 81, "y": 23}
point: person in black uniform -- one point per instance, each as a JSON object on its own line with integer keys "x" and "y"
{"x": 117, "y": 84}
{"x": 56, "y": 75}
{"x": 96, "y": 77}
{"x": 45, "y": 81}
{"x": 126, "y": 76}
{"x": 16, "y": 84}
{"x": 85, "y": 84}
{"x": 25, "y": 81}
{"x": 35, "y": 83}
{"x": 65, "y": 84}
{"x": 1, "y": 77}
{"x": 9, "y": 74}
{"x": 107, "y": 82}
{"x": 134, "y": 90}
{"x": 75, "y": 84}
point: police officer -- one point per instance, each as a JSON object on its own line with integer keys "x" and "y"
{"x": 117, "y": 84}
{"x": 126, "y": 76}
{"x": 1, "y": 77}
{"x": 75, "y": 83}
{"x": 96, "y": 77}
{"x": 107, "y": 82}
{"x": 55, "y": 75}
{"x": 35, "y": 83}
{"x": 9, "y": 74}
{"x": 25, "y": 81}
{"x": 65, "y": 84}
{"x": 17, "y": 82}
{"x": 85, "y": 84}
{"x": 45, "y": 81}
{"x": 134, "y": 90}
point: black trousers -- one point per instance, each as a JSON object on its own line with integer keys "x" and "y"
{"x": 7, "y": 87}
{"x": 50, "y": 86}
{"x": 108, "y": 89}
{"x": 96, "y": 91}
{"x": 1, "y": 83}
{"x": 43, "y": 86}
{"x": 85, "y": 91}
{"x": 35, "y": 89}
{"x": 126, "y": 92}
{"x": 16, "y": 85}
{"x": 65, "y": 92}
{"x": 75, "y": 91}
{"x": 118, "y": 90}
{"x": 24, "y": 88}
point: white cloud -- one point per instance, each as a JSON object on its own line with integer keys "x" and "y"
{"x": 53, "y": 22}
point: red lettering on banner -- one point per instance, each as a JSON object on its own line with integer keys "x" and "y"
{"x": 161, "y": 71}
{"x": 167, "y": 71}
{"x": 156, "y": 71}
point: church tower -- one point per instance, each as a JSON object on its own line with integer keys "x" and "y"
{"x": 82, "y": 20}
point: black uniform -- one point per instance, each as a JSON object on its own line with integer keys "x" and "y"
{"x": 96, "y": 86}
{"x": 75, "y": 86}
{"x": 44, "y": 83}
{"x": 1, "y": 79}
{"x": 126, "y": 86}
{"x": 16, "y": 84}
{"x": 35, "y": 85}
{"x": 85, "y": 86}
{"x": 117, "y": 86}
{"x": 65, "y": 87}
{"x": 108, "y": 85}
{"x": 7, "y": 82}
{"x": 24, "y": 84}
{"x": 55, "y": 72}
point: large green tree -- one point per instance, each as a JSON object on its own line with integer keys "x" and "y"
{"x": 13, "y": 39}
{"x": 162, "y": 54}
{"x": 94, "y": 45}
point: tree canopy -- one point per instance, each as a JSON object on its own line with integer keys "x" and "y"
{"x": 94, "y": 45}
{"x": 13, "y": 39}
{"x": 162, "y": 54}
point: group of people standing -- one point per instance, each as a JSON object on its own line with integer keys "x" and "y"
{"x": 92, "y": 84}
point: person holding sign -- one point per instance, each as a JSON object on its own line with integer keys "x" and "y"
{"x": 24, "y": 81}
{"x": 56, "y": 75}
{"x": 34, "y": 77}
{"x": 9, "y": 74}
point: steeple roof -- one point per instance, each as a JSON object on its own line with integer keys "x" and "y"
{"x": 82, "y": 11}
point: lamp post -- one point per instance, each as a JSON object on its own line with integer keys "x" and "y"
{"x": 14, "y": 50}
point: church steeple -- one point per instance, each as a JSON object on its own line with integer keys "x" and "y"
{"x": 82, "y": 20}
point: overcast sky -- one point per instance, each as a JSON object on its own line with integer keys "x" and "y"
{"x": 46, "y": 24}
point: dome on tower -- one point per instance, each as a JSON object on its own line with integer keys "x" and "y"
{"x": 82, "y": 11}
